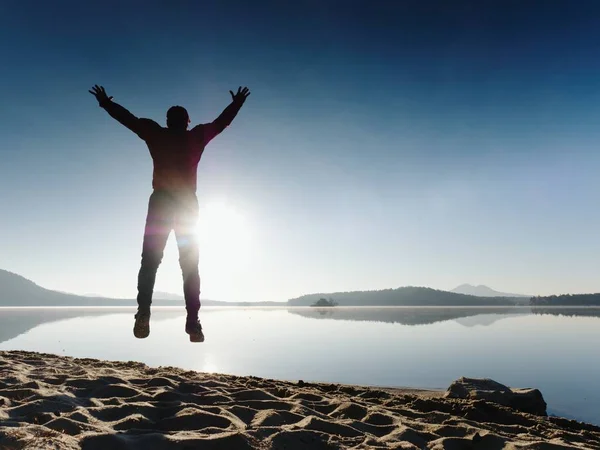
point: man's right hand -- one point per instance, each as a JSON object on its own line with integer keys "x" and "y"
{"x": 100, "y": 94}
{"x": 240, "y": 96}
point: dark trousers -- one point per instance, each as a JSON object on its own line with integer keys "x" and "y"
{"x": 171, "y": 211}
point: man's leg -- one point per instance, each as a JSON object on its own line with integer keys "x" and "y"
{"x": 159, "y": 223}
{"x": 187, "y": 242}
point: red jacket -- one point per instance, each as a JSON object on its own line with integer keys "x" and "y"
{"x": 176, "y": 153}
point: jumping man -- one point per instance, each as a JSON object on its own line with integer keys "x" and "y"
{"x": 173, "y": 204}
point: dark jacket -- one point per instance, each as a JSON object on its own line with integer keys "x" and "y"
{"x": 176, "y": 153}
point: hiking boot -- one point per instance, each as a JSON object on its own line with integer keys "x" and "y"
{"x": 141, "y": 329}
{"x": 194, "y": 329}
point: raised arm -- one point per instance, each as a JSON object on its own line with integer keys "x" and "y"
{"x": 210, "y": 130}
{"x": 141, "y": 127}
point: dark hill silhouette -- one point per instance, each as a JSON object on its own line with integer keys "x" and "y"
{"x": 16, "y": 290}
{"x": 483, "y": 291}
{"x": 566, "y": 300}
{"x": 405, "y": 296}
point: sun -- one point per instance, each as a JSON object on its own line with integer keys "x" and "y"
{"x": 224, "y": 236}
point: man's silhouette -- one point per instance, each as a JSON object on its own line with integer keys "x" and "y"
{"x": 173, "y": 204}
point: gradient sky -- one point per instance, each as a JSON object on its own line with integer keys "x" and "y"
{"x": 385, "y": 143}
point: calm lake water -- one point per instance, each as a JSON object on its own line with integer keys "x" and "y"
{"x": 555, "y": 350}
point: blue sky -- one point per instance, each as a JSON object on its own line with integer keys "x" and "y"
{"x": 384, "y": 144}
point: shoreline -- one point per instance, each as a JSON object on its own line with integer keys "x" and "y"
{"x": 68, "y": 403}
{"x": 178, "y": 305}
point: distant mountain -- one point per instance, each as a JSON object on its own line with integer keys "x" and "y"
{"x": 483, "y": 291}
{"x": 16, "y": 290}
{"x": 567, "y": 300}
{"x": 405, "y": 296}
{"x": 158, "y": 295}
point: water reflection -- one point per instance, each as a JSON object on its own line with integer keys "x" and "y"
{"x": 17, "y": 321}
{"x": 411, "y": 316}
{"x": 552, "y": 349}
{"x": 469, "y": 317}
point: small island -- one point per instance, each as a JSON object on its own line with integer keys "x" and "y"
{"x": 324, "y": 303}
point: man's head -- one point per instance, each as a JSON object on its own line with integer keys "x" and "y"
{"x": 177, "y": 118}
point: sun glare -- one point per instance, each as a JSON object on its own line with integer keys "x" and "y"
{"x": 224, "y": 236}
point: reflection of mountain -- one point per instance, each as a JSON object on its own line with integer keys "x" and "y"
{"x": 14, "y": 322}
{"x": 406, "y": 296}
{"x": 572, "y": 312}
{"x": 489, "y": 319}
{"x": 411, "y": 316}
